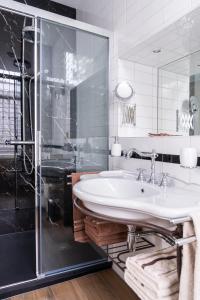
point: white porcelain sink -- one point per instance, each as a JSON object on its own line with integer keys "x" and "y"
{"x": 126, "y": 198}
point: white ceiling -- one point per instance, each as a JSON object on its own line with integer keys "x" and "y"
{"x": 175, "y": 41}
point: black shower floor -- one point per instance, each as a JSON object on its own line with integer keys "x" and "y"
{"x": 17, "y": 257}
{"x": 16, "y": 220}
{"x": 60, "y": 250}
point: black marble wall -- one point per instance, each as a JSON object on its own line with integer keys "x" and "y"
{"x": 16, "y": 185}
{"x": 53, "y": 7}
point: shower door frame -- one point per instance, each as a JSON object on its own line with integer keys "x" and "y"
{"x": 37, "y": 14}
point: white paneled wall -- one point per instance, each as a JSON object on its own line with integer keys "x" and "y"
{"x": 173, "y": 96}
{"x": 144, "y": 82}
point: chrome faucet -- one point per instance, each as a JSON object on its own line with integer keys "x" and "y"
{"x": 153, "y": 155}
{"x": 141, "y": 176}
{"x": 164, "y": 180}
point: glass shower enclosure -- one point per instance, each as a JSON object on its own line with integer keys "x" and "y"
{"x": 58, "y": 95}
{"x": 73, "y": 135}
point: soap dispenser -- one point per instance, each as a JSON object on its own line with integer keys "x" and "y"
{"x": 116, "y": 148}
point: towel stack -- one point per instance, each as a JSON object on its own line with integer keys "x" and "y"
{"x": 153, "y": 276}
{"x": 103, "y": 232}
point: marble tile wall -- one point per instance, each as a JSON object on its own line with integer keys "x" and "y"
{"x": 16, "y": 185}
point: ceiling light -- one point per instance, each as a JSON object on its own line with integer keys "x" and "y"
{"x": 156, "y": 51}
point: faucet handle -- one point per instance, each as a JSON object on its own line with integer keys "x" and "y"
{"x": 141, "y": 176}
{"x": 124, "y": 153}
{"x": 165, "y": 174}
{"x": 164, "y": 179}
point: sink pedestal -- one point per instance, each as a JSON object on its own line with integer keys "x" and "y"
{"x": 131, "y": 238}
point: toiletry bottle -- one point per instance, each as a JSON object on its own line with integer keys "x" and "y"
{"x": 116, "y": 148}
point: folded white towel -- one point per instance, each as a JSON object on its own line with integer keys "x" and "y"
{"x": 153, "y": 253}
{"x": 158, "y": 269}
{"x": 147, "y": 257}
{"x": 152, "y": 285}
{"x": 143, "y": 292}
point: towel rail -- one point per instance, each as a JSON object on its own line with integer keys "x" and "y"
{"x": 174, "y": 238}
{"x": 182, "y": 220}
{"x": 185, "y": 241}
{"x": 165, "y": 234}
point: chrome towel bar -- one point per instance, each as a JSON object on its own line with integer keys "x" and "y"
{"x": 180, "y": 220}
{"x": 16, "y": 143}
{"x": 185, "y": 241}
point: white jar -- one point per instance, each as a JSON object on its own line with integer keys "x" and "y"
{"x": 188, "y": 157}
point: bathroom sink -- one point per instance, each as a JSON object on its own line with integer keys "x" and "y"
{"x": 128, "y": 199}
{"x": 115, "y": 196}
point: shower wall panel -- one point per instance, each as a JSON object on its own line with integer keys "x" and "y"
{"x": 16, "y": 186}
{"x": 17, "y": 194}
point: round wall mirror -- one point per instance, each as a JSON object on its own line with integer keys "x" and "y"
{"x": 124, "y": 90}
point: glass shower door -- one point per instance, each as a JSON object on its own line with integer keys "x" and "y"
{"x": 73, "y": 125}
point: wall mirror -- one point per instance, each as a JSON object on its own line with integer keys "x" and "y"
{"x": 124, "y": 90}
{"x": 179, "y": 96}
{"x": 165, "y": 72}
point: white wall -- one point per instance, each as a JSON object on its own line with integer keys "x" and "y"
{"x": 144, "y": 79}
{"x": 173, "y": 91}
{"x": 144, "y": 82}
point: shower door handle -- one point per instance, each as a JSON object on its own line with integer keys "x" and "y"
{"x": 15, "y": 143}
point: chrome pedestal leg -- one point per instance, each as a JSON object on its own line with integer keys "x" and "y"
{"x": 131, "y": 238}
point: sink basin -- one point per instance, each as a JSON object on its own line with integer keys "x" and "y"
{"x": 128, "y": 199}
{"x": 115, "y": 196}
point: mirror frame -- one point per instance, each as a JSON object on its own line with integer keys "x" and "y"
{"x": 129, "y": 85}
